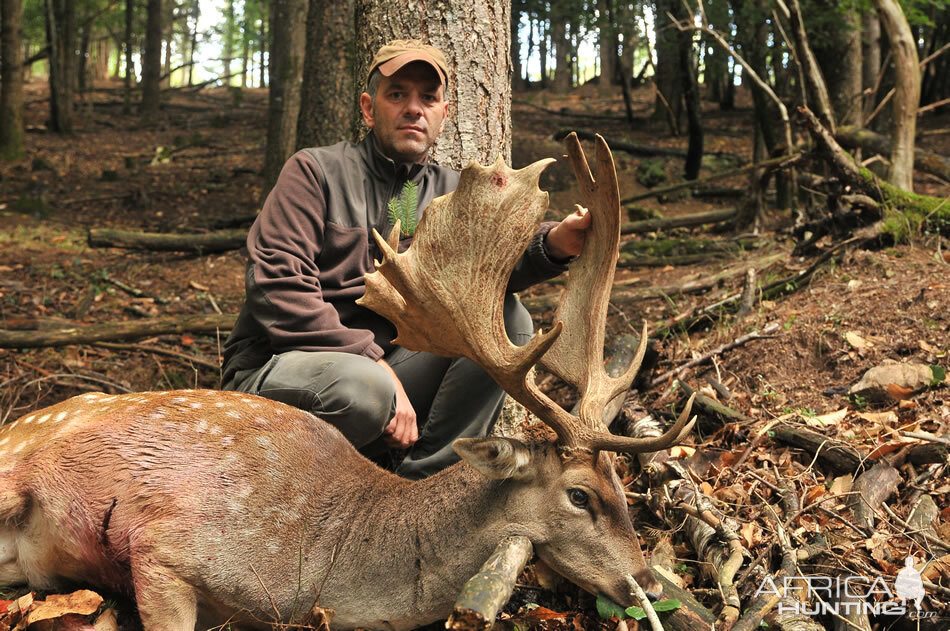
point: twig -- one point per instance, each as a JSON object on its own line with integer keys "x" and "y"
{"x": 138, "y": 293}
{"x": 637, "y": 591}
{"x": 158, "y": 350}
{"x": 755, "y": 335}
{"x": 928, "y": 437}
{"x": 928, "y": 537}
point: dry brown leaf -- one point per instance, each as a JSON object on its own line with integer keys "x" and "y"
{"x": 832, "y": 418}
{"x": 83, "y": 602}
{"x": 879, "y": 418}
{"x": 198, "y": 286}
{"x": 857, "y": 342}
{"x": 841, "y": 484}
{"x": 706, "y": 488}
{"x": 886, "y": 448}
{"x": 543, "y": 613}
{"x": 899, "y": 393}
{"x": 924, "y": 346}
{"x": 937, "y": 568}
{"x": 682, "y": 451}
{"x": 813, "y": 494}
{"x": 750, "y": 533}
{"x": 67, "y": 622}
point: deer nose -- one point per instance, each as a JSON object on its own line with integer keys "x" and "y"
{"x": 655, "y": 593}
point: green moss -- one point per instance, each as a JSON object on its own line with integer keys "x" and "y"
{"x": 651, "y": 172}
{"x": 908, "y": 214}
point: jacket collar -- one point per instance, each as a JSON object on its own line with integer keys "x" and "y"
{"x": 385, "y": 167}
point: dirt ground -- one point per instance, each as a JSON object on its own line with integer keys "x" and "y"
{"x": 197, "y": 168}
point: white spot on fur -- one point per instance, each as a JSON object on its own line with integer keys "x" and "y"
{"x": 59, "y": 417}
{"x": 215, "y": 430}
{"x": 12, "y": 425}
{"x": 18, "y": 448}
{"x": 246, "y": 400}
{"x": 201, "y": 426}
{"x": 43, "y": 419}
{"x": 29, "y": 419}
{"x": 107, "y": 399}
{"x": 4, "y": 441}
{"x": 233, "y": 414}
{"x": 260, "y": 420}
{"x": 196, "y": 404}
{"x": 227, "y": 440}
{"x": 219, "y": 404}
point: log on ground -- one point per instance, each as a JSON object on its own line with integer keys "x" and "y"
{"x": 116, "y": 331}
{"x": 218, "y": 241}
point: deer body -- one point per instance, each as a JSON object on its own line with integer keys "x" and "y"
{"x": 258, "y": 509}
{"x": 249, "y": 506}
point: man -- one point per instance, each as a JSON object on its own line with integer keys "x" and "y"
{"x": 300, "y": 337}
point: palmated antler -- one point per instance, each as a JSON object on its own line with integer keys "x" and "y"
{"x": 445, "y": 294}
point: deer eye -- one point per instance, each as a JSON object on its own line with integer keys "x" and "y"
{"x": 578, "y": 498}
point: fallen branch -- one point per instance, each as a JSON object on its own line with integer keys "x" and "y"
{"x": 566, "y": 113}
{"x": 88, "y": 334}
{"x": 629, "y": 147}
{"x": 870, "y": 490}
{"x": 852, "y": 137}
{"x": 840, "y": 457}
{"x": 663, "y": 223}
{"x": 712, "y": 178}
{"x": 739, "y": 341}
{"x": 483, "y": 595}
{"x": 158, "y": 350}
{"x": 219, "y": 241}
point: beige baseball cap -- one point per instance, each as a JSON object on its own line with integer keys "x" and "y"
{"x": 399, "y": 52}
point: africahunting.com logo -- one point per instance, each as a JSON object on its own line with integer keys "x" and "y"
{"x": 844, "y": 595}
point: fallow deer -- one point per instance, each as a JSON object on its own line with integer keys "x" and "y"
{"x": 253, "y": 511}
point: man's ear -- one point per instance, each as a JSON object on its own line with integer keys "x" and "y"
{"x": 366, "y": 107}
{"x": 445, "y": 115}
{"x": 496, "y": 458}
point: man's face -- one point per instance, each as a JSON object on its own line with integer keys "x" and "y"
{"x": 409, "y": 112}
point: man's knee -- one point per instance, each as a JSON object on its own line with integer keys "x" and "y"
{"x": 518, "y": 323}
{"x": 365, "y": 396}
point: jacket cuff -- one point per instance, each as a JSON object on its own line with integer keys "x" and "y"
{"x": 374, "y": 351}
{"x": 538, "y": 250}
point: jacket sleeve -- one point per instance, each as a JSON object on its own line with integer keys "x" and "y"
{"x": 283, "y": 282}
{"x": 536, "y": 265}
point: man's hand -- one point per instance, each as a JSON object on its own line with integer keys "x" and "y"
{"x": 567, "y": 238}
{"x": 402, "y": 430}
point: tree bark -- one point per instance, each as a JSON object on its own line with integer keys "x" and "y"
{"x": 926, "y": 161}
{"x": 473, "y": 35}
{"x": 562, "y": 52}
{"x": 11, "y": 80}
{"x": 329, "y": 94}
{"x": 669, "y": 100}
{"x": 870, "y": 57}
{"x": 817, "y": 87}
{"x": 608, "y": 47}
{"x": 195, "y": 14}
{"x": 288, "y": 45}
{"x": 837, "y": 47}
{"x": 906, "y": 96}
{"x": 517, "y": 10}
{"x": 152, "y": 59}
{"x": 129, "y": 66}
{"x": 60, "y": 24}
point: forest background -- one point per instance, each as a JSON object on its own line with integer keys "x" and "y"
{"x": 778, "y": 254}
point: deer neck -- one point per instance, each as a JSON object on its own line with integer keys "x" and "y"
{"x": 417, "y": 545}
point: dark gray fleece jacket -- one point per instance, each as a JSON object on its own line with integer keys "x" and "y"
{"x": 312, "y": 243}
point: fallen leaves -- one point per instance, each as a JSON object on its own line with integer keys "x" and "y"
{"x": 58, "y": 612}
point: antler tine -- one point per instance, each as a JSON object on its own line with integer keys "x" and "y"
{"x": 673, "y": 436}
{"x": 578, "y": 355}
{"x": 445, "y": 294}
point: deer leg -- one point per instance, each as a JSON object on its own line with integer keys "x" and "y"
{"x": 165, "y": 602}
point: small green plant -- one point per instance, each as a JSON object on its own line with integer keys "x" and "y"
{"x": 402, "y": 208}
{"x": 788, "y": 323}
{"x": 859, "y": 401}
{"x": 939, "y": 375}
{"x": 607, "y": 608}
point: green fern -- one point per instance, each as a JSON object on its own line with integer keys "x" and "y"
{"x": 402, "y": 207}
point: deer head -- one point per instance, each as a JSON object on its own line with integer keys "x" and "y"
{"x": 445, "y": 296}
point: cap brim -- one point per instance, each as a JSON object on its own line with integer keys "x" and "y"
{"x": 391, "y": 67}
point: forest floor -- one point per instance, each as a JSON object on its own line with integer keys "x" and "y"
{"x": 197, "y": 168}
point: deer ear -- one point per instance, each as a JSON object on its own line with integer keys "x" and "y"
{"x": 496, "y": 458}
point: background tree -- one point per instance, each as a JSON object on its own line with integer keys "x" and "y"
{"x": 152, "y": 59}
{"x": 330, "y": 89}
{"x": 60, "y": 34}
{"x": 288, "y": 45}
{"x": 474, "y": 35}
{"x": 11, "y": 80}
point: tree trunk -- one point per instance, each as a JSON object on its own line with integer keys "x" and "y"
{"x": 329, "y": 95}
{"x": 906, "y": 96}
{"x": 543, "y": 50}
{"x": 60, "y": 24}
{"x": 562, "y": 53}
{"x": 608, "y": 47}
{"x": 837, "y": 46}
{"x": 817, "y": 87}
{"x": 531, "y": 44}
{"x": 870, "y": 57}
{"x": 267, "y": 22}
{"x": 517, "y": 10}
{"x": 165, "y": 78}
{"x": 245, "y": 51}
{"x": 228, "y": 50}
{"x": 669, "y": 100}
{"x": 288, "y": 45}
{"x": 83, "y": 60}
{"x": 473, "y": 35}
{"x": 195, "y": 14}
{"x": 11, "y": 80}
{"x": 129, "y": 67}
{"x": 687, "y": 75}
{"x": 152, "y": 59}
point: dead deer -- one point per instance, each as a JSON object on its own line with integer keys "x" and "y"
{"x": 252, "y": 511}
